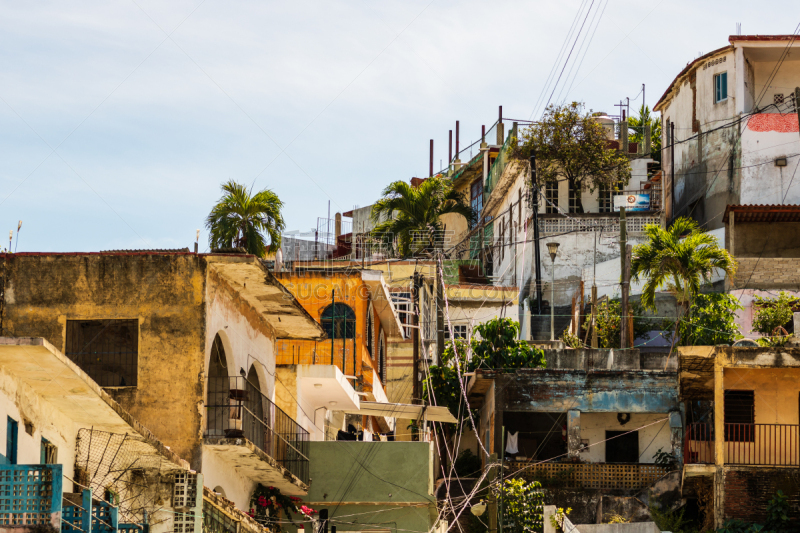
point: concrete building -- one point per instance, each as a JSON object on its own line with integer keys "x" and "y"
{"x": 742, "y": 440}
{"x": 735, "y": 127}
{"x": 70, "y": 447}
{"x": 588, "y": 426}
{"x": 184, "y": 342}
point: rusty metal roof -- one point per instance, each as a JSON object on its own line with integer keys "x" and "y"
{"x": 763, "y": 213}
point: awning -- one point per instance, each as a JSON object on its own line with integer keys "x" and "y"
{"x": 404, "y": 410}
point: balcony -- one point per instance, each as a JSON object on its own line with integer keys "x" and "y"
{"x": 630, "y": 476}
{"x": 249, "y": 431}
{"x": 745, "y": 444}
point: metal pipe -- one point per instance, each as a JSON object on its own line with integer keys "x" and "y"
{"x": 552, "y": 302}
{"x": 457, "y": 136}
{"x": 430, "y": 165}
{"x": 450, "y": 149}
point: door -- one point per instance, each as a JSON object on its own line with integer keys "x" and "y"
{"x": 623, "y": 446}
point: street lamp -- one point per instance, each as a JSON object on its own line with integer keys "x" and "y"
{"x": 552, "y": 247}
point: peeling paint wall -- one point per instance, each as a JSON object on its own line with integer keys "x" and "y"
{"x": 656, "y": 435}
{"x": 164, "y": 292}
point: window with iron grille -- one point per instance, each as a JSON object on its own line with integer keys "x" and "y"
{"x": 574, "y": 198}
{"x": 605, "y": 199}
{"x": 740, "y": 415}
{"x": 777, "y": 98}
{"x": 551, "y": 194}
{"x": 107, "y": 350}
{"x": 339, "y": 321}
{"x": 459, "y": 331}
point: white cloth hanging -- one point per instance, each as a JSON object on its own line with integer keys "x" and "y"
{"x": 511, "y": 442}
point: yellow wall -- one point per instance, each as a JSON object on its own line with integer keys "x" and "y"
{"x": 777, "y": 391}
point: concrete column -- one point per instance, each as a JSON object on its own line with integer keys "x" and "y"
{"x": 338, "y": 227}
{"x": 573, "y": 433}
{"x": 719, "y": 442}
{"x": 676, "y": 434}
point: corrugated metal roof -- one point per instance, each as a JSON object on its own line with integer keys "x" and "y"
{"x": 154, "y": 250}
{"x": 762, "y": 213}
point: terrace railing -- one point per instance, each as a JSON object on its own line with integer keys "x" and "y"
{"x": 237, "y": 409}
{"x": 745, "y": 444}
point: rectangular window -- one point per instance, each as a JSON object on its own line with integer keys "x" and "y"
{"x": 49, "y": 453}
{"x": 575, "y": 199}
{"x": 12, "y": 434}
{"x": 605, "y": 199}
{"x": 740, "y": 415}
{"x": 551, "y": 196}
{"x": 720, "y": 87}
{"x": 107, "y": 350}
{"x": 476, "y": 198}
{"x": 459, "y": 331}
{"x": 402, "y": 303}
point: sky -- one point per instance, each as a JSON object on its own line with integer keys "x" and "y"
{"x": 119, "y": 120}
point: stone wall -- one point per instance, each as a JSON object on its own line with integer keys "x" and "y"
{"x": 767, "y": 273}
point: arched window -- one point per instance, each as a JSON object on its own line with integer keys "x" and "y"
{"x": 218, "y": 391}
{"x": 339, "y": 321}
{"x": 370, "y": 330}
{"x": 382, "y": 359}
{"x": 255, "y": 408}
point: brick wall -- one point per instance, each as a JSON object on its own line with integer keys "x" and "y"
{"x": 767, "y": 273}
{"x": 749, "y": 490}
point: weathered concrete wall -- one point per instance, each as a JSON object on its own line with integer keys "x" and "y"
{"x": 612, "y": 391}
{"x": 656, "y": 435}
{"x": 748, "y": 490}
{"x": 164, "y": 292}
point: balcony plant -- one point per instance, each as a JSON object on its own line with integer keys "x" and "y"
{"x": 771, "y": 317}
{"x": 267, "y": 503}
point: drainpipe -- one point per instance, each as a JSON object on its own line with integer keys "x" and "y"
{"x": 500, "y": 130}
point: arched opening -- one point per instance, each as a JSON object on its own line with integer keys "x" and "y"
{"x": 218, "y": 391}
{"x": 370, "y": 330}
{"x": 382, "y": 359}
{"x": 255, "y": 406}
{"x": 219, "y": 490}
{"x": 339, "y": 321}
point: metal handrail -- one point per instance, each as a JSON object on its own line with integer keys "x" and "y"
{"x": 744, "y": 444}
{"x": 237, "y": 409}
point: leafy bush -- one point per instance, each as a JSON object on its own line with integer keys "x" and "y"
{"x": 771, "y": 315}
{"x": 522, "y": 504}
{"x": 608, "y": 321}
{"x": 570, "y": 340}
{"x": 711, "y": 321}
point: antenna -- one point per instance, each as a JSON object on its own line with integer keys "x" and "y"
{"x": 738, "y": 28}
{"x": 19, "y": 226}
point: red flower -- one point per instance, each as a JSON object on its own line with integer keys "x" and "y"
{"x": 262, "y": 501}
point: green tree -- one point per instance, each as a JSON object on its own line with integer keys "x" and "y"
{"x": 522, "y": 505}
{"x": 608, "y": 322}
{"x": 637, "y": 130}
{"x": 240, "y": 219}
{"x": 771, "y": 315}
{"x": 412, "y": 215}
{"x": 679, "y": 259}
{"x": 495, "y": 347}
{"x": 569, "y": 144}
{"x": 711, "y": 321}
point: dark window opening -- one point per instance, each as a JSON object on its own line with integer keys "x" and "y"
{"x": 539, "y": 435}
{"x": 339, "y": 321}
{"x": 575, "y": 205}
{"x": 12, "y": 434}
{"x": 623, "y": 446}
{"x": 740, "y": 415}
{"x": 107, "y": 350}
{"x": 370, "y": 330}
{"x": 459, "y": 331}
{"x": 551, "y": 196}
{"x": 48, "y": 453}
{"x": 476, "y": 199}
{"x": 382, "y": 360}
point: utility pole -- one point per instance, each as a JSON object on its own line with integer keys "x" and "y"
{"x": 439, "y": 312}
{"x": 416, "y": 396}
{"x": 594, "y": 293}
{"x": 536, "y": 250}
{"x": 797, "y": 102}
{"x": 672, "y": 165}
{"x": 623, "y": 255}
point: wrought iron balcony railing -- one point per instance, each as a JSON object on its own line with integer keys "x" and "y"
{"x": 237, "y": 409}
{"x": 745, "y": 444}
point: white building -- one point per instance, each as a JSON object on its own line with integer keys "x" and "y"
{"x": 735, "y": 129}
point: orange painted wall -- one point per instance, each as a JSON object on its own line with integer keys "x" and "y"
{"x": 313, "y": 290}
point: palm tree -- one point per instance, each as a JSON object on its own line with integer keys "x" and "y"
{"x": 413, "y": 214}
{"x": 637, "y": 125}
{"x": 240, "y": 219}
{"x": 680, "y": 259}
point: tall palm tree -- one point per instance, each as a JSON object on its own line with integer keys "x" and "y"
{"x": 240, "y": 219}
{"x": 413, "y": 214}
{"x": 680, "y": 259}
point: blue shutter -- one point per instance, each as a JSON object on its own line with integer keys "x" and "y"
{"x": 11, "y": 441}
{"x": 724, "y": 82}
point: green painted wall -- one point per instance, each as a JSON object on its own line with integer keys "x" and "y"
{"x": 375, "y": 483}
